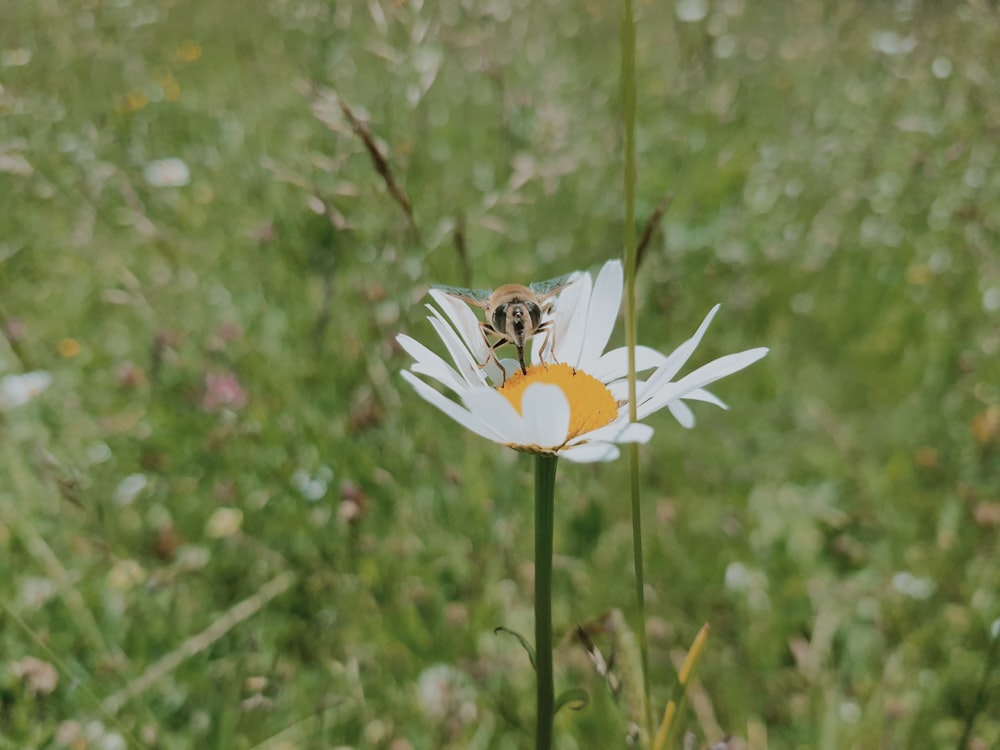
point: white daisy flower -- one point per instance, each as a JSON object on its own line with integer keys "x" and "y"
{"x": 572, "y": 401}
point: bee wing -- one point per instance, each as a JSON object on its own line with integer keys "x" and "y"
{"x": 547, "y": 288}
{"x": 478, "y": 297}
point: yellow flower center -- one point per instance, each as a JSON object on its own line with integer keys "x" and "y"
{"x": 591, "y": 404}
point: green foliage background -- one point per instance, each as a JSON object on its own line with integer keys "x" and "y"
{"x": 834, "y": 176}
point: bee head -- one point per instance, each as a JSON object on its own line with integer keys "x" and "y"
{"x": 517, "y": 319}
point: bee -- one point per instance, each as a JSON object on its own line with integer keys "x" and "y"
{"x": 514, "y": 314}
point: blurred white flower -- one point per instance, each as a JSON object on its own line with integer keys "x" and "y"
{"x": 991, "y": 299}
{"x": 691, "y": 11}
{"x": 941, "y": 67}
{"x": 16, "y": 57}
{"x": 915, "y": 588}
{"x": 892, "y": 43}
{"x": 312, "y": 486}
{"x": 102, "y": 738}
{"x": 15, "y": 163}
{"x": 445, "y": 692}
{"x": 737, "y": 577}
{"x": 93, "y": 736}
{"x": 98, "y": 452}
{"x": 171, "y": 172}
{"x": 129, "y": 488}
{"x": 750, "y": 582}
{"x": 125, "y": 575}
{"x": 224, "y": 522}
{"x": 850, "y": 712}
{"x": 16, "y": 390}
{"x": 35, "y": 591}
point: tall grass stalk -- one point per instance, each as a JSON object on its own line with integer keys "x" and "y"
{"x": 628, "y": 105}
{"x": 545, "y": 485}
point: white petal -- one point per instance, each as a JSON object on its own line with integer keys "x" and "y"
{"x": 587, "y": 453}
{"x": 546, "y": 415}
{"x": 614, "y": 364}
{"x": 677, "y": 358}
{"x": 657, "y": 401}
{"x": 602, "y": 314}
{"x": 430, "y": 364}
{"x": 494, "y": 374}
{"x": 695, "y": 381}
{"x": 566, "y": 301}
{"x": 542, "y": 348}
{"x": 463, "y": 340}
{"x": 701, "y": 394}
{"x": 621, "y": 431}
{"x": 453, "y": 410}
{"x": 571, "y": 320}
{"x": 460, "y": 354}
{"x": 682, "y": 413}
{"x": 464, "y": 320}
{"x": 619, "y": 389}
{"x": 510, "y": 366}
{"x": 492, "y": 408}
{"x": 720, "y": 368}
{"x": 636, "y": 432}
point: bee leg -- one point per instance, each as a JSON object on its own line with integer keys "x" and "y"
{"x": 486, "y": 329}
{"x": 550, "y": 331}
{"x": 549, "y": 342}
{"x": 494, "y": 357}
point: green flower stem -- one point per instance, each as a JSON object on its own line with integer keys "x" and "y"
{"x": 640, "y": 585}
{"x": 545, "y": 488}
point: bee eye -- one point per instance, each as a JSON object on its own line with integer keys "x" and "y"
{"x": 500, "y": 318}
{"x": 536, "y": 314}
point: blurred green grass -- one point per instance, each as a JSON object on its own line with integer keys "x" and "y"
{"x": 833, "y": 168}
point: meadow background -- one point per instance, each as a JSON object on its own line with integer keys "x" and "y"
{"x": 229, "y": 523}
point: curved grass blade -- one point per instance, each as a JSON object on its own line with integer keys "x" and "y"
{"x": 521, "y": 639}
{"x": 575, "y": 699}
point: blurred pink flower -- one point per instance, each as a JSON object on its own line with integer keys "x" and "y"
{"x": 222, "y": 391}
{"x": 14, "y": 330}
{"x": 230, "y": 331}
{"x": 39, "y": 677}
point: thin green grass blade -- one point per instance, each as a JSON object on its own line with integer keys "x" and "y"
{"x": 666, "y": 735}
{"x": 628, "y": 105}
